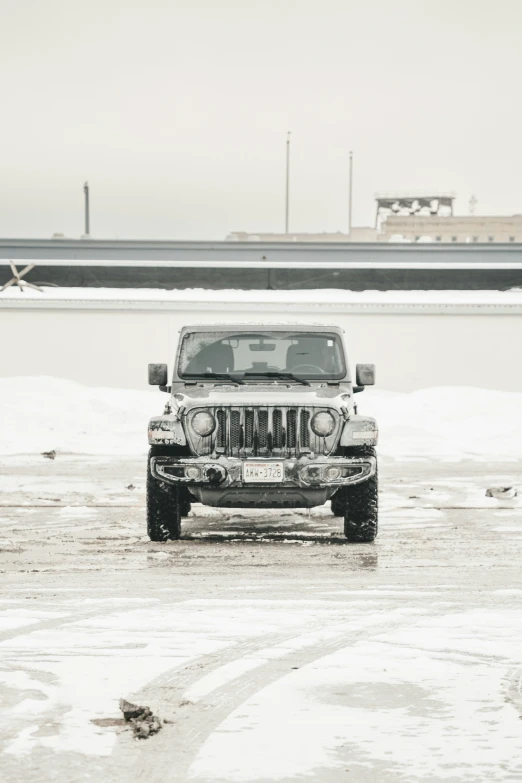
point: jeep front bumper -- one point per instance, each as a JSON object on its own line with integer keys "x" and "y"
{"x": 320, "y": 472}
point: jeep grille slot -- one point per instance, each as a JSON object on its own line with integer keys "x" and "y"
{"x": 304, "y": 427}
{"x": 291, "y": 428}
{"x": 277, "y": 428}
{"x": 221, "y": 429}
{"x": 280, "y": 431}
{"x": 263, "y": 429}
{"x": 235, "y": 428}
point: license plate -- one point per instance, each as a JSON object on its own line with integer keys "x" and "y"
{"x": 263, "y": 472}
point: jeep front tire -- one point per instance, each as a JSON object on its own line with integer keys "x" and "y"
{"x": 361, "y": 511}
{"x": 164, "y": 508}
{"x": 359, "y": 504}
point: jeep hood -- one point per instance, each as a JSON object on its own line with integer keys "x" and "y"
{"x": 259, "y": 394}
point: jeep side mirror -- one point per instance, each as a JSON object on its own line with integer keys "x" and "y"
{"x": 365, "y": 375}
{"x": 158, "y": 374}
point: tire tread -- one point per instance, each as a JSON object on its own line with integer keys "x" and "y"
{"x": 164, "y": 508}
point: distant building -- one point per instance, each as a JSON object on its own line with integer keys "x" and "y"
{"x": 426, "y": 216}
{"x": 456, "y": 228}
{"x": 429, "y": 217}
{"x": 361, "y": 234}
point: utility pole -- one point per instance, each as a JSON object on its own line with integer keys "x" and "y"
{"x": 87, "y": 215}
{"x": 287, "y": 203}
{"x": 350, "y": 193}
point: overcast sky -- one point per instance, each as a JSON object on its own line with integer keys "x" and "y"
{"x": 176, "y": 111}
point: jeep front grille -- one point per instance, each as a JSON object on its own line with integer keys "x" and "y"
{"x": 261, "y": 431}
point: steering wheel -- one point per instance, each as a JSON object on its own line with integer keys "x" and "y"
{"x": 307, "y": 367}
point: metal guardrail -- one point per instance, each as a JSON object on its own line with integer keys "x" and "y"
{"x": 294, "y": 253}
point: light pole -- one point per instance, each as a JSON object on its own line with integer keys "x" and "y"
{"x": 87, "y": 215}
{"x": 287, "y": 203}
{"x": 350, "y": 193}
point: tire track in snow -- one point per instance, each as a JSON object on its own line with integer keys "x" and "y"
{"x": 514, "y": 690}
{"x": 69, "y": 619}
{"x": 167, "y": 757}
{"x": 52, "y": 624}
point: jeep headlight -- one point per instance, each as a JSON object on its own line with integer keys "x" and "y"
{"x": 203, "y": 423}
{"x": 323, "y": 424}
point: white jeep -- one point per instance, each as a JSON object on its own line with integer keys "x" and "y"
{"x": 262, "y": 417}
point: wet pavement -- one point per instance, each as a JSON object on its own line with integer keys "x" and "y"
{"x": 276, "y": 650}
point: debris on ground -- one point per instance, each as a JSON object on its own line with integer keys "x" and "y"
{"x": 131, "y": 486}
{"x": 143, "y": 722}
{"x": 108, "y": 723}
{"x": 49, "y": 454}
{"x": 501, "y": 493}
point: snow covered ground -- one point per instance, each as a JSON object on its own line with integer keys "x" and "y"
{"x": 277, "y": 651}
{"x": 42, "y": 414}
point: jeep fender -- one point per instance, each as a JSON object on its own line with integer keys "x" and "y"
{"x": 166, "y": 430}
{"x": 359, "y": 431}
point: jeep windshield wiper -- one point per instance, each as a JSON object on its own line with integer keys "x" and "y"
{"x": 288, "y": 376}
{"x": 219, "y": 376}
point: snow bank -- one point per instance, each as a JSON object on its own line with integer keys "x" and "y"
{"x": 447, "y": 422}
{"x": 43, "y": 414}
{"x": 283, "y": 297}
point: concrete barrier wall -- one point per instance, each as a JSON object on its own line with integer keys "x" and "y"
{"x": 111, "y": 347}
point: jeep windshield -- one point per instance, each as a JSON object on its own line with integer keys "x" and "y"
{"x": 262, "y": 355}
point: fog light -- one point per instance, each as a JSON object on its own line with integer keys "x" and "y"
{"x": 193, "y": 473}
{"x": 332, "y": 473}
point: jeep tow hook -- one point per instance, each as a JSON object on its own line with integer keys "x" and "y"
{"x": 216, "y": 475}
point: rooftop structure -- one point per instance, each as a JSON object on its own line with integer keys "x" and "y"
{"x": 408, "y": 204}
